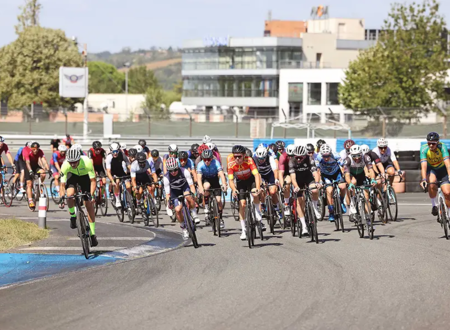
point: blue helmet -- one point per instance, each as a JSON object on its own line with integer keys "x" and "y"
{"x": 264, "y": 145}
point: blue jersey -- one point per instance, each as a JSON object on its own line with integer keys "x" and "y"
{"x": 18, "y": 154}
{"x": 189, "y": 164}
{"x": 329, "y": 167}
{"x": 210, "y": 171}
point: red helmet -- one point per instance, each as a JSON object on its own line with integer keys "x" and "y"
{"x": 202, "y": 148}
{"x": 348, "y": 144}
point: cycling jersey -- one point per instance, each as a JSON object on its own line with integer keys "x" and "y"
{"x": 192, "y": 156}
{"x": 55, "y": 143}
{"x": 344, "y": 154}
{"x": 210, "y": 171}
{"x": 189, "y": 164}
{"x": 97, "y": 159}
{"x": 85, "y": 167}
{"x": 136, "y": 169}
{"x": 373, "y": 157}
{"x": 267, "y": 166}
{"x": 435, "y": 159}
{"x": 330, "y": 166}
{"x": 57, "y": 158}
{"x": 283, "y": 163}
{"x": 19, "y": 154}
{"x": 304, "y": 165}
{"x": 25, "y": 150}
{"x": 354, "y": 168}
{"x": 117, "y": 165}
{"x": 177, "y": 182}
{"x": 4, "y": 149}
{"x": 243, "y": 171}
{"x": 158, "y": 164}
{"x": 388, "y": 155}
{"x": 28, "y": 155}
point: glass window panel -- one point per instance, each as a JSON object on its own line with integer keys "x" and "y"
{"x": 332, "y": 94}
{"x": 295, "y": 92}
{"x": 314, "y": 93}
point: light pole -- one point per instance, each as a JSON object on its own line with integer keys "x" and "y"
{"x": 127, "y": 65}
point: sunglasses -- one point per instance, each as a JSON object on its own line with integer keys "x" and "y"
{"x": 183, "y": 159}
{"x": 326, "y": 156}
{"x": 310, "y": 152}
{"x": 173, "y": 171}
{"x": 238, "y": 156}
{"x": 300, "y": 157}
{"x": 74, "y": 163}
{"x": 173, "y": 152}
{"x": 207, "y": 159}
{"x": 34, "y": 149}
{"x": 98, "y": 150}
{"x": 356, "y": 157}
{"x": 432, "y": 143}
{"x": 115, "y": 151}
{"x": 382, "y": 148}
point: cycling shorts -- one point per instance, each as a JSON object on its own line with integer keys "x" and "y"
{"x": 244, "y": 186}
{"x": 99, "y": 170}
{"x": 214, "y": 184}
{"x": 83, "y": 181}
{"x": 440, "y": 173}
{"x": 35, "y": 169}
{"x": 388, "y": 164}
{"x": 304, "y": 179}
{"x": 269, "y": 178}
{"x": 143, "y": 178}
{"x": 174, "y": 193}
{"x": 328, "y": 179}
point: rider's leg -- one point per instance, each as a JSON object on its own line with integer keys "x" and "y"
{"x": 391, "y": 172}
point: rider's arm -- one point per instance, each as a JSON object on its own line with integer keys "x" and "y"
{"x": 188, "y": 177}
{"x": 108, "y": 169}
{"x": 395, "y": 161}
{"x": 166, "y": 187}
{"x": 274, "y": 166}
{"x": 200, "y": 183}
{"x": 348, "y": 177}
{"x": 231, "y": 179}
{"x": 424, "y": 161}
{"x": 133, "y": 181}
{"x": 222, "y": 178}
{"x": 89, "y": 165}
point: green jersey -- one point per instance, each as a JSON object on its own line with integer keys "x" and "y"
{"x": 435, "y": 159}
{"x": 85, "y": 167}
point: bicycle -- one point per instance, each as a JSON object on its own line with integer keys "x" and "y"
{"x": 54, "y": 193}
{"x": 336, "y": 197}
{"x": 376, "y": 200}
{"x": 188, "y": 221}
{"x": 250, "y": 222}
{"x": 126, "y": 201}
{"x": 270, "y": 210}
{"x": 149, "y": 209}
{"x": 101, "y": 196}
{"x": 38, "y": 190}
{"x": 213, "y": 215}
{"x": 363, "y": 216}
{"x": 14, "y": 187}
{"x": 5, "y": 190}
{"x": 83, "y": 226}
{"x": 293, "y": 206}
{"x": 322, "y": 202}
{"x": 443, "y": 216}
{"x": 160, "y": 194}
{"x": 390, "y": 200}
{"x": 234, "y": 205}
{"x": 310, "y": 217}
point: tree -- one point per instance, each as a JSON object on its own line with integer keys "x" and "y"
{"x": 406, "y": 69}
{"x": 104, "y": 78}
{"x": 29, "y": 15}
{"x": 29, "y": 67}
{"x": 154, "y": 99}
{"x": 140, "y": 80}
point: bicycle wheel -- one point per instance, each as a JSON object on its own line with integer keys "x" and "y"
{"x": 155, "y": 217}
{"x": 443, "y": 216}
{"x": 131, "y": 211}
{"x": 145, "y": 210}
{"x": 361, "y": 215}
{"x": 381, "y": 207}
{"x": 392, "y": 203}
{"x": 248, "y": 225}
{"x": 369, "y": 221}
{"x": 54, "y": 193}
{"x": 190, "y": 227}
{"x": 158, "y": 197}
{"x": 294, "y": 219}
{"x": 103, "y": 200}
{"x": 83, "y": 232}
{"x": 119, "y": 210}
{"x": 313, "y": 224}
{"x": 337, "y": 211}
{"x": 321, "y": 204}
{"x": 224, "y": 202}
{"x": 235, "y": 209}
{"x": 270, "y": 214}
{"x": 282, "y": 221}
{"x": 214, "y": 208}
{"x": 3, "y": 195}
{"x": 12, "y": 190}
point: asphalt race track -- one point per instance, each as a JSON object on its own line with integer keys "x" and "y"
{"x": 397, "y": 281}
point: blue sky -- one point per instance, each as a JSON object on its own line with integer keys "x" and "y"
{"x": 114, "y": 24}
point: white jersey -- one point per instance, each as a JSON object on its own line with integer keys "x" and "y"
{"x": 344, "y": 154}
{"x": 386, "y": 156}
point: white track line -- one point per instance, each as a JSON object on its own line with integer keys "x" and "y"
{"x": 100, "y": 239}
{"x": 70, "y": 248}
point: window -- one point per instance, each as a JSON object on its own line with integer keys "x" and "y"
{"x": 332, "y": 94}
{"x": 295, "y": 92}
{"x": 314, "y": 93}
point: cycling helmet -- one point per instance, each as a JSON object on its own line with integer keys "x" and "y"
{"x": 280, "y": 144}
{"x": 300, "y": 151}
{"x": 28, "y": 143}
{"x": 141, "y": 157}
{"x": 325, "y": 149}
{"x": 194, "y": 147}
{"x": 183, "y": 155}
{"x": 248, "y": 152}
{"x": 155, "y": 153}
{"x": 35, "y": 145}
{"x": 207, "y": 154}
{"x": 142, "y": 143}
{"x": 132, "y": 152}
{"x": 2, "y": 139}
{"x": 96, "y": 144}
{"x": 310, "y": 147}
{"x": 123, "y": 145}
{"x": 62, "y": 148}
{"x": 238, "y": 149}
{"x": 73, "y": 155}
{"x": 382, "y": 143}
{"x": 113, "y": 147}
{"x": 355, "y": 150}
{"x": 211, "y": 145}
{"x": 171, "y": 164}
{"x": 173, "y": 148}
{"x": 138, "y": 148}
{"x": 365, "y": 149}
{"x": 433, "y": 137}
{"x": 348, "y": 144}
{"x": 261, "y": 152}
{"x": 290, "y": 150}
{"x": 319, "y": 143}
{"x": 264, "y": 145}
{"x": 206, "y": 139}
{"x": 202, "y": 148}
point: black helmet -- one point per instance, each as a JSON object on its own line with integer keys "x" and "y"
{"x": 141, "y": 157}
{"x": 237, "y": 149}
{"x": 183, "y": 155}
{"x": 194, "y": 147}
{"x": 320, "y": 142}
{"x": 207, "y": 154}
{"x": 96, "y": 144}
{"x": 310, "y": 147}
{"x": 155, "y": 153}
{"x": 132, "y": 152}
{"x": 273, "y": 147}
{"x": 35, "y": 145}
{"x": 433, "y": 136}
{"x": 142, "y": 143}
{"x": 280, "y": 144}
{"x": 248, "y": 152}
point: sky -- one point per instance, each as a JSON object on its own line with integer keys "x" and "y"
{"x": 110, "y": 25}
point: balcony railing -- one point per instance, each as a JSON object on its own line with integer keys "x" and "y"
{"x": 230, "y": 93}
{"x": 291, "y": 64}
{"x": 255, "y": 65}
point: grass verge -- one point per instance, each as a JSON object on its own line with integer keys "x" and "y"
{"x": 14, "y": 233}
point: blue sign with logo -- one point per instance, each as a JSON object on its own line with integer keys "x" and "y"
{"x": 215, "y": 41}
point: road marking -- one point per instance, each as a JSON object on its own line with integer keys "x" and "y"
{"x": 70, "y": 248}
{"x": 416, "y": 204}
{"x": 116, "y": 238}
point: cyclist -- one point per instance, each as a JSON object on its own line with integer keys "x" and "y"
{"x": 202, "y": 148}
{"x": 280, "y": 149}
{"x": 388, "y": 159}
{"x": 78, "y": 147}
{"x": 143, "y": 144}
{"x": 284, "y": 177}
{"x": 4, "y": 149}
{"x": 269, "y": 151}
{"x": 97, "y": 154}
{"x": 132, "y": 153}
{"x": 319, "y": 144}
{"x": 206, "y": 139}
{"x": 142, "y": 172}
{"x": 138, "y": 148}
{"x": 378, "y": 168}
{"x": 193, "y": 152}
{"x": 79, "y": 170}
{"x": 116, "y": 166}
{"x": 68, "y": 141}
{"x": 354, "y": 173}
{"x": 209, "y": 171}
{"x": 247, "y": 180}
{"x": 328, "y": 163}
{"x": 215, "y": 151}
{"x": 123, "y": 147}
{"x": 435, "y": 167}
{"x": 178, "y": 182}
{"x": 185, "y": 162}
{"x": 268, "y": 170}
{"x": 303, "y": 172}
{"x": 158, "y": 162}
{"x": 274, "y": 148}
{"x": 54, "y": 144}
{"x": 58, "y": 158}
{"x": 173, "y": 153}
{"x": 32, "y": 156}
{"x": 346, "y": 151}
{"x": 311, "y": 151}
{"x": 20, "y": 167}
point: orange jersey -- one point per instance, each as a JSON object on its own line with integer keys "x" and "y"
{"x": 243, "y": 171}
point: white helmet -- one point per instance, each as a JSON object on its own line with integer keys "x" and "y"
{"x": 206, "y": 139}
{"x": 123, "y": 145}
{"x": 114, "y": 146}
{"x": 325, "y": 149}
{"x": 355, "y": 150}
{"x": 290, "y": 150}
{"x": 261, "y": 152}
{"x": 210, "y": 145}
{"x": 76, "y": 147}
{"x": 300, "y": 151}
{"x": 138, "y": 148}
{"x": 73, "y": 155}
{"x": 173, "y": 148}
{"x": 382, "y": 143}
{"x": 62, "y": 147}
{"x": 365, "y": 149}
